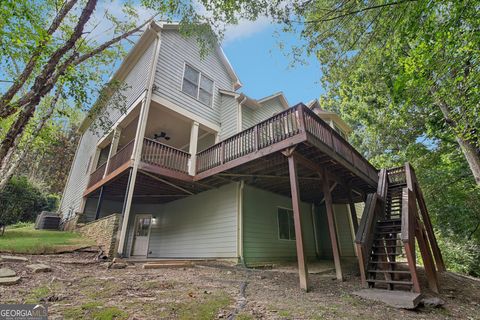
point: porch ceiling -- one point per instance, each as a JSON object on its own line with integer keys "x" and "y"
{"x": 150, "y": 188}
{"x": 271, "y": 173}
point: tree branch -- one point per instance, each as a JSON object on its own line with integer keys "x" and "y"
{"x": 349, "y": 13}
{"x": 27, "y": 71}
{"x": 109, "y": 43}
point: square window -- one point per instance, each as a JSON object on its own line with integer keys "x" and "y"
{"x": 197, "y": 85}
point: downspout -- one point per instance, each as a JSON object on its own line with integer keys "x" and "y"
{"x": 240, "y": 223}
{"x": 138, "y": 144}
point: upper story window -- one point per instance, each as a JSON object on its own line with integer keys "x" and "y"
{"x": 197, "y": 85}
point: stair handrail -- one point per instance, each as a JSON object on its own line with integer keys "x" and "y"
{"x": 374, "y": 209}
{"x": 364, "y": 236}
{"x": 412, "y": 184}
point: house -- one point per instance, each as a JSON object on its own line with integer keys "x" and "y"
{"x": 194, "y": 169}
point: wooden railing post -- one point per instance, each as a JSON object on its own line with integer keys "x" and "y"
{"x": 301, "y": 117}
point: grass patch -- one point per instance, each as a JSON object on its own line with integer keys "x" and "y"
{"x": 244, "y": 316}
{"x": 26, "y": 240}
{"x": 95, "y": 310}
{"x": 203, "y": 309}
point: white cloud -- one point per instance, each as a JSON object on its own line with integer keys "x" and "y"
{"x": 245, "y": 29}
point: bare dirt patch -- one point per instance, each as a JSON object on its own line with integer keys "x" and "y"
{"x": 79, "y": 288}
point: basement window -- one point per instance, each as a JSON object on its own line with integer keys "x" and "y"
{"x": 197, "y": 85}
{"x": 286, "y": 225}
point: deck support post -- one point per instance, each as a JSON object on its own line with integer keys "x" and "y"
{"x": 331, "y": 226}
{"x": 192, "y": 149}
{"x": 137, "y": 150}
{"x": 302, "y": 261}
{"x": 99, "y": 203}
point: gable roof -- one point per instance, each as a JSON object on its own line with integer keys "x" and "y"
{"x": 218, "y": 49}
{"x": 314, "y": 105}
{"x": 140, "y": 46}
{"x": 278, "y": 95}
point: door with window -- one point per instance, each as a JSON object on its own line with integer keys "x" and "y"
{"x": 141, "y": 236}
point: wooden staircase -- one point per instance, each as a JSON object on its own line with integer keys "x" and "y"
{"x": 385, "y": 240}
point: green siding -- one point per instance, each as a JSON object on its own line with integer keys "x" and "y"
{"x": 261, "y": 243}
{"x": 343, "y": 227}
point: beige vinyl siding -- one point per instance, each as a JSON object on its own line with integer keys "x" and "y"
{"x": 136, "y": 82}
{"x": 228, "y": 116}
{"x": 175, "y": 51}
{"x": 78, "y": 178}
{"x": 200, "y": 226}
{"x": 261, "y": 243}
{"x": 249, "y": 118}
{"x": 343, "y": 227}
{"x": 252, "y": 116}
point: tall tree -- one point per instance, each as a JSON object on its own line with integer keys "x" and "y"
{"x": 409, "y": 66}
{"x": 62, "y": 45}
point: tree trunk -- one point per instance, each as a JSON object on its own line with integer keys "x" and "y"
{"x": 472, "y": 156}
{"x": 469, "y": 150}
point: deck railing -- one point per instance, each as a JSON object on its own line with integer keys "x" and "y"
{"x": 159, "y": 154}
{"x": 121, "y": 157}
{"x": 320, "y": 130}
{"x": 278, "y": 128}
{"x": 97, "y": 175}
{"x": 275, "y": 129}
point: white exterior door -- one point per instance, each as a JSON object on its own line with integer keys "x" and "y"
{"x": 141, "y": 234}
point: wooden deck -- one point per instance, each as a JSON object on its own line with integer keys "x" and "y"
{"x": 255, "y": 155}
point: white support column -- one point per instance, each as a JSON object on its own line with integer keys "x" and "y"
{"x": 137, "y": 149}
{"x": 113, "y": 147}
{"x": 193, "y": 147}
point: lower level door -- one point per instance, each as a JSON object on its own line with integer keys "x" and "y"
{"x": 141, "y": 236}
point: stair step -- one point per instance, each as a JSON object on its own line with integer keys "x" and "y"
{"x": 390, "y": 246}
{"x": 390, "y": 262}
{"x": 388, "y": 232}
{"x": 396, "y": 226}
{"x": 386, "y": 254}
{"x": 389, "y": 271}
{"x": 390, "y": 220}
{"x": 409, "y": 283}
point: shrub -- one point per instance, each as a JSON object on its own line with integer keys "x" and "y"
{"x": 22, "y": 200}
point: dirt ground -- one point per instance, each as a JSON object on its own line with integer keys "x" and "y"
{"x": 80, "y": 288}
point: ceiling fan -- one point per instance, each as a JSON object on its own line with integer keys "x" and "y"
{"x": 161, "y": 135}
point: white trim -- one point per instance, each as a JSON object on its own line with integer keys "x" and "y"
{"x": 172, "y": 106}
{"x": 280, "y": 95}
{"x": 226, "y": 63}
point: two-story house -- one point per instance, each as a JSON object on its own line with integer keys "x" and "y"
{"x": 197, "y": 170}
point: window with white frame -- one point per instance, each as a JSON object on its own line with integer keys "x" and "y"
{"x": 197, "y": 85}
{"x": 286, "y": 225}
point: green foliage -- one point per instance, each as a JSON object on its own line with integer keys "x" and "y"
{"x": 27, "y": 240}
{"x": 23, "y": 201}
{"x": 404, "y": 75}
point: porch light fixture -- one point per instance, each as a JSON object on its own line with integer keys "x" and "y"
{"x": 154, "y": 220}
{"x": 161, "y": 135}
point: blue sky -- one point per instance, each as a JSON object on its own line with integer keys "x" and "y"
{"x": 264, "y": 68}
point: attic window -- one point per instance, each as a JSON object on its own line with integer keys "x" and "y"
{"x": 197, "y": 85}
